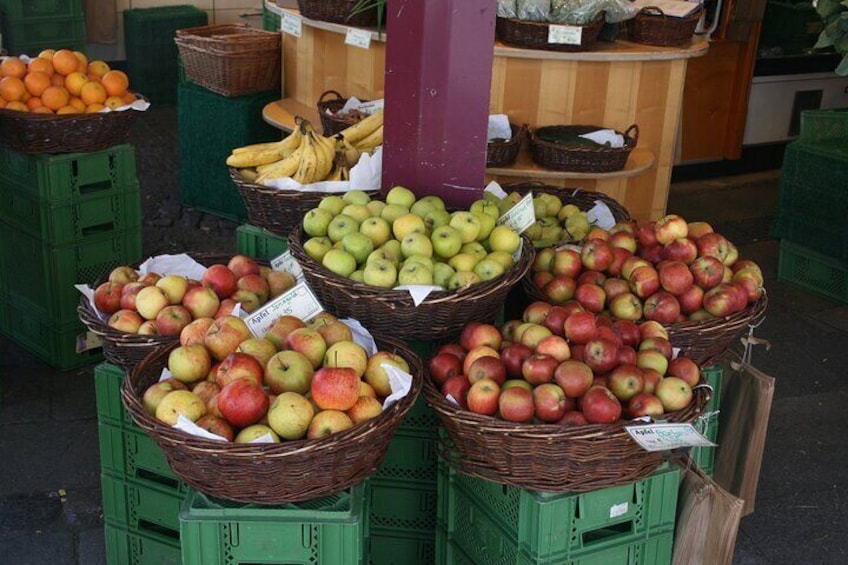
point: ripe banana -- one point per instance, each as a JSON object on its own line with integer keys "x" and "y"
{"x": 307, "y": 170}
{"x": 257, "y": 147}
{"x": 254, "y": 158}
{"x": 373, "y": 140}
{"x": 281, "y": 169}
{"x": 363, "y": 128}
{"x": 351, "y": 154}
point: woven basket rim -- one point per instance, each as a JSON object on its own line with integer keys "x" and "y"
{"x": 630, "y": 141}
{"x": 646, "y": 12}
{"x": 618, "y": 210}
{"x": 518, "y": 132}
{"x": 237, "y": 178}
{"x": 57, "y": 118}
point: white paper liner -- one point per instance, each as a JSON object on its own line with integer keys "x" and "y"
{"x": 190, "y": 427}
{"x": 418, "y": 292}
{"x": 495, "y": 189}
{"x": 600, "y": 215}
{"x": 361, "y": 336}
{"x": 605, "y": 136}
{"x": 400, "y": 383}
{"x": 367, "y": 174}
{"x": 354, "y": 103}
{"x": 179, "y": 264}
{"x": 499, "y": 127}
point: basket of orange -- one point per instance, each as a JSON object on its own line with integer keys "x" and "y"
{"x": 60, "y": 102}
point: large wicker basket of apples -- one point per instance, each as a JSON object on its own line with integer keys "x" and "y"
{"x": 542, "y": 403}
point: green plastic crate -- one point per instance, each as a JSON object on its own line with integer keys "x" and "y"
{"x": 421, "y": 419}
{"x": 812, "y": 190}
{"x": 402, "y": 506}
{"x": 824, "y": 128}
{"x": 44, "y": 275}
{"x": 501, "y": 522}
{"x": 74, "y": 220}
{"x": 141, "y": 508}
{"x": 401, "y": 548}
{"x": 410, "y": 457}
{"x": 210, "y": 126}
{"x": 62, "y": 345}
{"x": 713, "y": 375}
{"x": 16, "y": 10}
{"x": 813, "y": 271}
{"x": 260, "y": 243}
{"x": 327, "y": 531}
{"x": 31, "y": 36}
{"x": 704, "y": 457}
{"x": 107, "y": 395}
{"x": 270, "y": 20}
{"x": 133, "y": 456}
{"x": 55, "y": 179}
{"x": 132, "y": 548}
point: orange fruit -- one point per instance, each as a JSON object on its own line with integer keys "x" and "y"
{"x": 34, "y": 102}
{"x": 13, "y": 67}
{"x": 47, "y": 54}
{"x": 115, "y": 82}
{"x": 114, "y": 102}
{"x": 92, "y": 108}
{"x": 65, "y": 62}
{"x": 12, "y": 88}
{"x": 77, "y": 103}
{"x": 74, "y": 82}
{"x": 42, "y": 66}
{"x": 98, "y": 68}
{"x": 19, "y": 106}
{"x": 58, "y": 80}
{"x": 128, "y": 98}
{"x": 42, "y": 110}
{"x": 36, "y": 82}
{"x": 83, "y": 61}
{"x": 68, "y": 110}
{"x": 55, "y": 97}
{"x": 93, "y": 93}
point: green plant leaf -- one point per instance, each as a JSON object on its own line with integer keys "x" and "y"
{"x": 828, "y": 8}
{"x": 842, "y": 68}
{"x": 824, "y": 41}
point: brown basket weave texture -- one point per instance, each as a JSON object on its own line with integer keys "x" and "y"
{"x": 442, "y": 314}
{"x": 26, "y": 132}
{"x": 331, "y": 122}
{"x": 276, "y": 473}
{"x": 278, "y": 211}
{"x": 125, "y": 349}
{"x": 547, "y": 457}
{"x": 583, "y": 199}
{"x": 535, "y": 34}
{"x": 230, "y": 59}
{"x": 578, "y": 157}
{"x": 336, "y": 11}
{"x": 651, "y": 26}
{"x": 502, "y": 153}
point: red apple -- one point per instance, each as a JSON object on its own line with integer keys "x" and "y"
{"x": 721, "y": 300}
{"x": 614, "y": 286}
{"x": 626, "y": 306}
{"x": 580, "y": 327}
{"x": 745, "y": 264}
{"x": 444, "y": 365}
{"x": 662, "y": 307}
{"x": 308, "y": 342}
{"x": 201, "y": 302}
{"x": 623, "y": 240}
{"x": 591, "y": 297}
{"x": 477, "y": 334}
{"x": 684, "y": 250}
{"x": 605, "y": 332}
{"x": 239, "y": 366}
{"x": 474, "y": 354}
{"x": 242, "y": 265}
{"x": 644, "y": 281}
{"x": 657, "y": 343}
{"x": 751, "y": 282}
{"x": 597, "y": 232}
{"x": 626, "y": 355}
{"x": 600, "y": 406}
{"x": 555, "y": 320}
{"x": 572, "y": 418}
{"x": 220, "y": 279}
{"x": 707, "y": 272}
{"x": 457, "y": 387}
{"x": 541, "y": 278}
{"x": 171, "y": 320}
{"x": 513, "y": 356}
{"x": 652, "y": 377}
{"x": 627, "y": 331}
{"x": 216, "y": 425}
{"x": 566, "y": 262}
{"x": 619, "y": 256}
{"x": 572, "y": 307}
{"x": 516, "y": 405}
{"x": 224, "y": 336}
{"x": 554, "y": 346}
{"x": 226, "y": 308}
{"x": 453, "y": 349}
{"x": 674, "y": 393}
{"x": 242, "y": 402}
{"x": 596, "y": 254}
{"x": 652, "y": 329}
{"x": 601, "y": 355}
{"x": 508, "y": 330}
{"x": 544, "y": 259}
{"x": 483, "y": 397}
{"x": 577, "y": 351}
{"x": 278, "y": 333}
{"x": 591, "y": 277}
{"x": 486, "y": 367}
{"x": 692, "y": 300}
{"x": 539, "y": 369}
{"x": 646, "y": 234}
{"x": 335, "y": 388}
{"x": 205, "y": 390}
{"x": 128, "y": 294}
{"x": 670, "y": 227}
{"x": 125, "y": 321}
{"x": 107, "y": 297}
{"x": 533, "y": 334}
{"x": 713, "y": 244}
{"x": 697, "y": 229}
{"x": 255, "y": 284}
{"x": 559, "y": 289}
{"x": 686, "y": 369}
{"x": 550, "y": 402}
{"x": 573, "y": 377}
{"x": 626, "y": 381}
{"x": 644, "y": 404}
{"x": 675, "y": 277}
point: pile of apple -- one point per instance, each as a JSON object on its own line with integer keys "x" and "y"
{"x": 562, "y": 366}
{"x": 668, "y": 271}
{"x": 155, "y": 304}
{"x": 554, "y": 223}
{"x": 404, "y": 241}
{"x": 299, "y": 380}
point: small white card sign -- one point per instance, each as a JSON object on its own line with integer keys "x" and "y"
{"x": 569, "y": 35}
{"x": 291, "y": 24}
{"x": 285, "y": 262}
{"x": 521, "y": 216}
{"x": 358, "y": 38}
{"x": 299, "y": 301}
{"x": 664, "y": 437}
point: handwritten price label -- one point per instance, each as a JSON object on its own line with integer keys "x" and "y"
{"x": 664, "y": 437}
{"x": 569, "y": 35}
{"x": 299, "y": 301}
{"x": 291, "y": 24}
{"x": 358, "y": 38}
{"x": 287, "y": 263}
{"x": 521, "y": 216}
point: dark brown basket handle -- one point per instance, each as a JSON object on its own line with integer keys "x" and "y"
{"x": 652, "y": 10}
{"x": 327, "y": 92}
{"x": 635, "y": 129}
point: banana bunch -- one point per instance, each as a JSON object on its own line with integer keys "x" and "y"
{"x": 366, "y": 134}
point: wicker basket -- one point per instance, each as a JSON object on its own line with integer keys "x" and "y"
{"x": 442, "y": 314}
{"x": 230, "y": 59}
{"x": 534, "y": 35}
{"x": 580, "y": 158}
{"x": 277, "y": 473}
{"x": 276, "y": 210}
{"x": 503, "y": 153}
{"x": 547, "y": 457}
{"x": 336, "y": 11}
{"x": 583, "y": 199}
{"x": 651, "y": 26}
{"x": 331, "y": 122}
{"x": 26, "y": 132}
{"x": 125, "y": 349}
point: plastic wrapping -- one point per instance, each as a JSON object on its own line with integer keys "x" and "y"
{"x": 533, "y": 10}
{"x": 584, "y": 12}
{"x": 507, "y": 9}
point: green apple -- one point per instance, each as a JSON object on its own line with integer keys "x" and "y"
{"x": 463, "y": 262}
{"x": 484, "y": 206}
{"x": 415, "y": 273}
{"x": 359, "y": 245}
{"x": 442, "y": 272}
{"x": 376, "y": 207}
{"x": 577, "y": 226}
{"x": 567, "y": 211}
{"x": 504, "y": 238}
{"x": 317, "y": 247}
{"x": 401, "y": 196}
{"x": 488, "y": 269}
{"x": 391, "y": 212}
{"x": 416, "y": 243}
{"x": 534, "y": 231}
{"x": 436, "y": 218}
{"x": 393, "y": 247}
{"x": 426, "y": 262}
{"x": 467, "y": 225}
{"x": 475, "y": 248}
{"x": 333, "y": 204}
{"x": 316, "y": 222}
{"x": 551, "y": 204}
{"x": 380, "y": 272}
{"x": 340, "y": 262}
{"x": 539, "y": 207}
{"x": 422, "y": 207}
{"x": 446, "y": 241}
{"x": 377, "y": 229}
{"x": 487, "y": 224}
{"x": 552, "y": 233}
{"x": 358, "y": 212}
{"x": 491, "y": 196}
{"x": 503, "y": 258}
{"x": 508, "y": 202}
{"x": 382, "y": 255}
{"x": 356, "y": 197}
{"x": 340, "y": 226}
{"x": 462, "y": 279}
{"x": 358, "y": 276}
{"x": 436, "y": 200}
{"x": 406, "y": 224}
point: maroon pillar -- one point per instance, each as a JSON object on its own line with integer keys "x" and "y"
{"x": 438, "y": 78}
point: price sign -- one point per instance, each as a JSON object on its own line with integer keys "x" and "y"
{"x": 664, "y": 437}
{"x": 358, "y": 38}
{"x": 521, "y": 216}
{"x": 287, "y": 263}
{"x": 299, "y": 301}
{"x": 569, "y": 35}
{"x": 291, "y": 24}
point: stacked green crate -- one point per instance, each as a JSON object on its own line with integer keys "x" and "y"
{"x": 64, "y": 219}
{"x": 210, "y": 126}
{"x": 482, "y": 522}
{"x": 332, "y": 530}
{"x": 30, "y": 26}
{"x": 707, "y": 423}
{"x": 260, "y": 243}
{"x": 152, "y": 55}
{"x": 270, "y": 20}
{"x": 141, "y": 496}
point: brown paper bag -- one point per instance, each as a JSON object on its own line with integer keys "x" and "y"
{"x": 707, "y": 520}
{"x": 101, "y": 21}
{"x": 746, "y": 400}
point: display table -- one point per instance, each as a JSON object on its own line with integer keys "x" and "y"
{"x": 615, "y": 85}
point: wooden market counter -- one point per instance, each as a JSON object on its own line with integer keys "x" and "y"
{"x": 615, "y": 85}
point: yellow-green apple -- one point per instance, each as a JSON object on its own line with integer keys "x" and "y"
{"x": 384, "y": 254}
{"x": 538, "y": 369}
{"x": 543, "y": 261}
{"x": 567, "y": 211}
{"x": 697, "y": 229}
{"x": 290, "y": 415}
{"x": 367, "y": 390}
{"x": 549, "y": 402}
{"x": 358, "y": 245}
{"x": 685, "y": 369}
{"x": 376, "y": 229}
{"x": 488, "y": 269}
{"x": 505, "y": 259}
{"x": 335, "y": 332}
{"x": 333, "y": 204}
{"x": 260, "y": 349}
{"x": 652, "y": 329}
{"x": 205, "y": 390}
{"x": 328, "y": 422}
{"x": 423, "y": 261}
{"x": 288, "y": 371}
{"x": 334, "y": 388}
{"x": 239, "y": 366}
{"x": 123, "y": 275}
{"x": 626, "y": 306}
{"x": 436, "y": 219}
{"x": 316, "y": 221}
{"x": 670, "y": 227}
{"x": 746, "y": 264}
{"x": 179, "y": 402}
{"x": 475, "y": 249}
{"x": 356, "y": 197}
{"x": 487, "y": 224}
{"x": 463, "y": 262}
{"x": 623, "y": 240}
{"x": 359, "y": 212}
{"x": 475, "y": 353}
{"x": 401, "y": 196}
{"x": 508, "y": 329}
{"x": 340, "y": 226}
{"x": 317, "y": 247}
{"x": 195, "y": 331}
{"x": 347, "y": 354}
{"x": 406, "y": 224}
{"x": 482, "y": 397}
{"x": 467, "y": 225}
{"x": 486, "y": 367}
{"x": 125, "y": 321}
{"x": 600, "y": 406}
{"x": 392, "y": 212}
{"x": 242, "y": 402}
{"x": 577, "y": 227}
{"x": 255, "y": 431}
{"x": 224, "y": 336}
{"x": 457, "y": 387}
{"x": 483, "y": 206}
{"x": 442, "y": 273}
{"x": 520, "y": 383}
{"x": 515, "y": 404}
{"x": 478, "y": 333}
{"x": 732, "y": 255}
{"x": 446, "y": 241}
{"x": 580, "y": 327}
{"x": 416, "y": 243}
{"x": 375, "y": 374}
{"x": 442, "y": 366}
{"x": 652, "y": 359}
{"x": 626, "y": 381}
{"x": 366, "y": 408}
{"x": 554, "y": 346}
{"x": 513, "y": 356}
{"x": 657, "y": 343}
{"x": 644, "y": 404}
{"x": 216, "y": 425}
{"x": 308, "y": 342}
{"x": 157, "y": 391}
{"x": 601, "y": 355}
{"x": 674, "y": 393}
{"x": 107, "y": 297}
{"x": 532, "y": 335}
{"x": 535, "y": 312}
{"x": 279, "y": 331}
{"x": 201, "y": 302}
{"x": 415, "y": 273}
{"x": 148, "y": 327}
{"x": 340, "y": 262}
{"x": 249, "y": 300}
{"x": 189, "y": 363}
{"x": 220, "y": 279}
